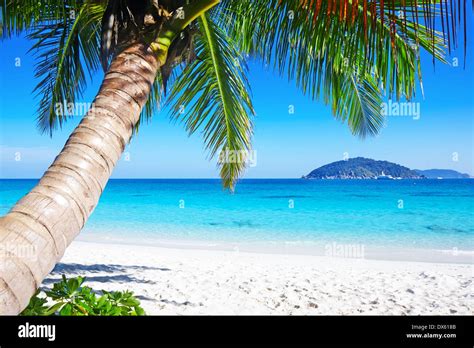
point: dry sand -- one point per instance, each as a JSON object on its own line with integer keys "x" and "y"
{"x": 187, "y": 281}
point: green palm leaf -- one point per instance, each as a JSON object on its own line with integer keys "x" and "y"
{"x": 23, "y": 15}
{"x": 360, "y": 104}
{"x": 322, "y": 52}
{"x": 67, "y": 49}
{"x": 214, "y": 94}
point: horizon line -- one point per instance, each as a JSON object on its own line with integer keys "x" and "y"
{"x": 219, "y": 179}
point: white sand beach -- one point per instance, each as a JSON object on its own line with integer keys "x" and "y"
{"x": 189, "y": 281}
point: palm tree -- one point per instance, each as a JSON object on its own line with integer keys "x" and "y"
{"x": 348, "y": 52}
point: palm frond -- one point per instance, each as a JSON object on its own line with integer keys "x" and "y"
{"x": 308, "y": 41}
{"x": 67, "y": 49}
{"x": 358, "y": 100}
{"x": 23, "y": 15}
{"x": 211, "y": 95}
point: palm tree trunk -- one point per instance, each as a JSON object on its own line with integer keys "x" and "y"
{"x": 35, "y": 233}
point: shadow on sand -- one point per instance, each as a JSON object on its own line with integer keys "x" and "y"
{"x": 75, "y": 269}
{"x": 96, "y": 268}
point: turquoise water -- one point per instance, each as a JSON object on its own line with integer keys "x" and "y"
{"x": 421, "y": 214}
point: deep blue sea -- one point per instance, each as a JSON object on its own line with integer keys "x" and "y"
{"x": 401, "y": 214}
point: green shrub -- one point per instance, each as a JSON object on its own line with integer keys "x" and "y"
{"x": 69, "y": 298}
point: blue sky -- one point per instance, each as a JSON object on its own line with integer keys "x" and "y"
{"x": 287, "y": 145}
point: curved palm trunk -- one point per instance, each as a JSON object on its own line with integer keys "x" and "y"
{"x": 37, "y": 230}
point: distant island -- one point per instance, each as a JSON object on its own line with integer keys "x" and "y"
{"x": 442, "y": 173}
{"x": 366, "y": 168}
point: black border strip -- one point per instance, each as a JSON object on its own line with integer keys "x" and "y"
{"x": 291, "y": 331}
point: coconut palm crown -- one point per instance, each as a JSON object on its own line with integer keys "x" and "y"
{"x": 350, "y": 53}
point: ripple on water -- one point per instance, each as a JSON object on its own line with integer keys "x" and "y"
{"x": 438, "y": 228}
{"x": 245, "y": 223}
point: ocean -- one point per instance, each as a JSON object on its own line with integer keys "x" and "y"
{"x": 408, "y": 219}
